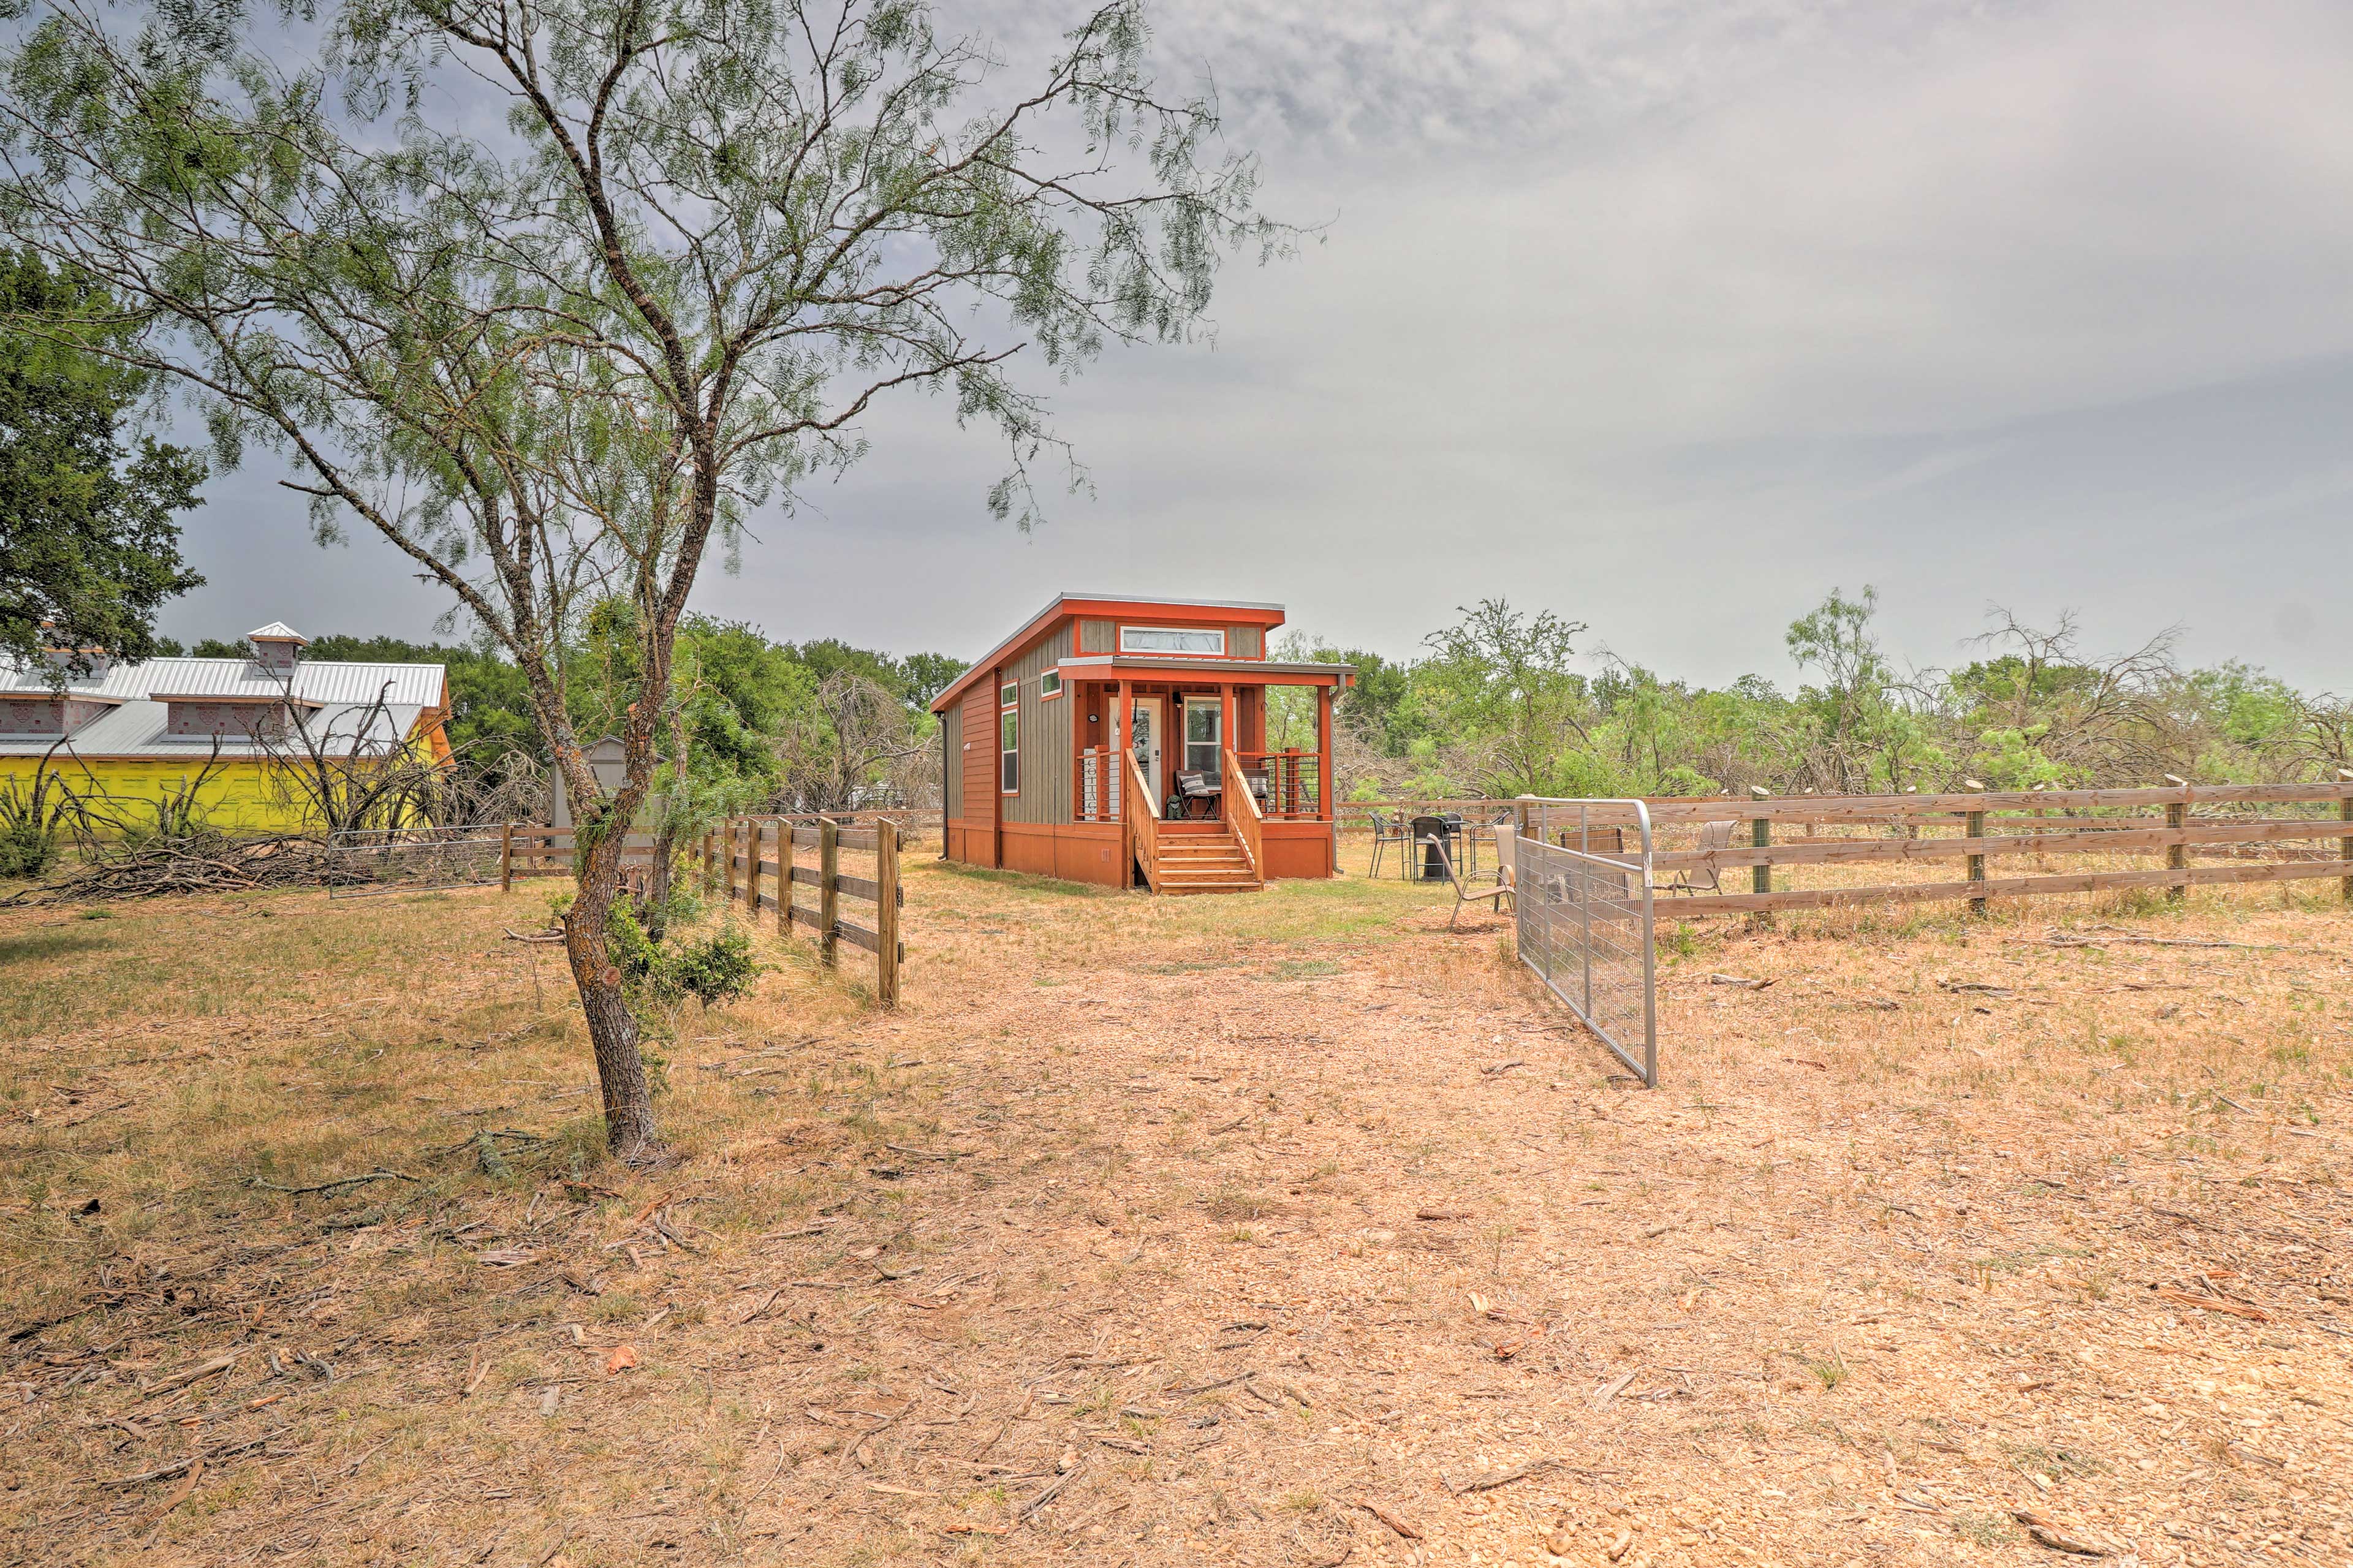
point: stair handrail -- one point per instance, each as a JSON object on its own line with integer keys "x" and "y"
{"x": 1142, "y": 814}
{"x": 1242, "y": 815}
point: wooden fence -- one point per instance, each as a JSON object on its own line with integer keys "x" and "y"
{"x": 1978, "y": 827}
{"x": 740, "y": 858}
{"x": 1356, "y": 815}
{"x": 750, "y": 860}
{"x": 526, "y": 849}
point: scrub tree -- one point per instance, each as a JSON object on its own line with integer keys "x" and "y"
{"x": 88, "y": 549}
{"x": 551, "y": 296}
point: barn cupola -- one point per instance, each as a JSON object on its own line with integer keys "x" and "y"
{"x": 276, "y": 646}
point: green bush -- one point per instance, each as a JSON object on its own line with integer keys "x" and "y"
{"x": 29, "y": 828}
{"x": 714, "y": 969}
{"x": 26, "y": 849}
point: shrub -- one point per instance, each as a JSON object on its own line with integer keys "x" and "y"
{"x": 31, "y": 819}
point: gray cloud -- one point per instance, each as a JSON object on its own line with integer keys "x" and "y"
{"x": 1669, "y": 317}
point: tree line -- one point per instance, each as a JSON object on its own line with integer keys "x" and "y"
{"x": 1507, "y": 701}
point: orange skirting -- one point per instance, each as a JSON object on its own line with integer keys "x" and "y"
{"x": 1091, "y": 851}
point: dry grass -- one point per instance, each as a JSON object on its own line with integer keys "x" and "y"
{"x": 1108, "y": 1247}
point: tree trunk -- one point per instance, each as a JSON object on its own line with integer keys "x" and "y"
{"x": 612, "y": 1029}
{"x": 656, "y": 914}
{"x": 657, "y": 911}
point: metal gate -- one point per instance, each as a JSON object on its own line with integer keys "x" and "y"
{"x": 387, "y": 860}
{"x": 1581, "y": 900}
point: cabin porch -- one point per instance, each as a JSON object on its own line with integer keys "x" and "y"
{"x": 1185, "y": 769}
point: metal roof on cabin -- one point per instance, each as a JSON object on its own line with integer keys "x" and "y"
{"x": 974, "y": 671}
{"x": 1199, "y": 665}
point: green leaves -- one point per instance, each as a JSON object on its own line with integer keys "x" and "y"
{"x": 88, "y": 543}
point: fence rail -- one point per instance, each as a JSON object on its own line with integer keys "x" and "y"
{"x": 1356, "y": 815}
{"x": 2241, "y": 823}
{"x": 750, "y": 860}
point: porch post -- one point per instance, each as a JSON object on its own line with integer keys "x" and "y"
{"x": 1323, "y": 765}
{"x": 1116, "y": 758}
{"x": 1228, "y": 740}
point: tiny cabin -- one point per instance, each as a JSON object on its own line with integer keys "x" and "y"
{"x": 1142, "y": 741}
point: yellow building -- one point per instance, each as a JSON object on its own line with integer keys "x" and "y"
{"x": 229, "y": 738}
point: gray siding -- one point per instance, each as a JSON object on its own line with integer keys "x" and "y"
{"x": 1095, "y": 636}
{"x": 1045, "y": 735}
{"x": 952, "y": 761}
{"x": 1245, "y": 642}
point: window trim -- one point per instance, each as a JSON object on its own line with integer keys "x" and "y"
{"x": 1047, "y": 693}
{"x": 1217, "y": 632}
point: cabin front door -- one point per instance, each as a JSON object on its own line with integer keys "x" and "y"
{"x": 1149, "y": 723}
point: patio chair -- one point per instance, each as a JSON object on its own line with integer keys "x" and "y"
{"x": 1385, "y": 833}
{"x": 1194, "y": 788}
{"x": 1464, "y": 893}
{"x": 1713, "y": 836}
{"x": 1507, "y": 854}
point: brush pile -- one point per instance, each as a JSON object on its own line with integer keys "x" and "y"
{"x": 200, "y": 862}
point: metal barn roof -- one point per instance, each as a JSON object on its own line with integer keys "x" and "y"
{"x": 143, "y": 730}
{"x": 415, "y": 685}
{"x": 336, "y": 696}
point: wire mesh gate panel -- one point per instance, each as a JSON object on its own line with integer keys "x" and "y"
{"x": 1581, "y": 903}
{"x": 380, "y": 860}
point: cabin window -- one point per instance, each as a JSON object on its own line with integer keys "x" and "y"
{"x": 1009, "y": 748}
{"x": 1172, "y": 639}
{"x": 1050, "y": 684}
{"x": 1008, "y": 694}
{"x": 1203, "y": 724}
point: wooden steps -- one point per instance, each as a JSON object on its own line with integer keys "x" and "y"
{"x": 1201, "y": 857}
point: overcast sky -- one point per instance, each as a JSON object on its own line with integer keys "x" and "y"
{"x": 1667, "y": 317}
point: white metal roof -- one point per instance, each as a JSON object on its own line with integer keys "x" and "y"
{"x": 314, "y": 680}
{"x": 335, "y": 695}
{"x": 275, "y": 631}
{"x": 141, "y": 729}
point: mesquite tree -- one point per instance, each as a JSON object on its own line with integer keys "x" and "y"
{"x": 550, "y": 296}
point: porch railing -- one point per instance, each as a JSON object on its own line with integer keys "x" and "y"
{"x": 1243, "y": 816}
{"x": 1143, "y": 821}
{"x": 1098, "y": 790}
{"x": 1293, "y": 780}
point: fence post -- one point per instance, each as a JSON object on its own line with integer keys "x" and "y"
{"x": 751, "y": 875}
{"x": 886, "y": 912}
{"x": 1976, "y": 830}
{"x": 828, "y": 888}
{"x": 2177, "y": 854}
{"x": 2345, "y": 846}
{"x": 727, "y": 859}
{"x": 506, "y": 858}
{"x": 1760, "y": 837}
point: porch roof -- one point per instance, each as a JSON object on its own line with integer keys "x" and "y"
{"x": 1212, "y": 671}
